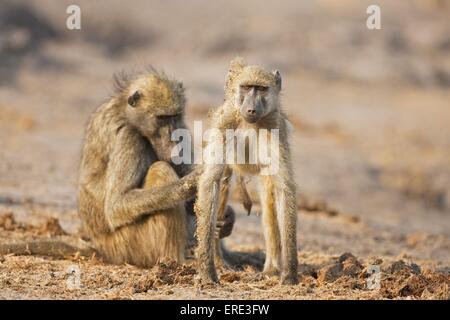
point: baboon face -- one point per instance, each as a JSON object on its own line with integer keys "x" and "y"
{"x": 155, "y": 104}
{"x": 257, "y": 93}
{"x": 253, "y": 104}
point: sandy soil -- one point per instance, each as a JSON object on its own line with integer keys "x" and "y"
{"x": 371, "y": 143}
{"x": 321, "y": 276}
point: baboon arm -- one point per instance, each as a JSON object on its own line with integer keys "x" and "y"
{"x": 224, "y": 192}
{"x": 127, "y": 207}
{"x": 126, "y": 202}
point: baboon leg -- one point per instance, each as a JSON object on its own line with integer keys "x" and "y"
{"x": 206, "y": 211}
{"x": 169, "y": 225}
{"x": 270, "y": 224}
{"x": 157, "y": 236}
{"x": 223, "y": 199}
{"x": 287, "y": 218}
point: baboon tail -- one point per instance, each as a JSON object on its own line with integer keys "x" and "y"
{"x": 56, "y": 248}
{"x": 239, "y": 260}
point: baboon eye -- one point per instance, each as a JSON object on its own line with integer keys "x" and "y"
{"x": 246, "y": 88}
{"x": 133, "y": 99}
{"x": 262, "y": 88}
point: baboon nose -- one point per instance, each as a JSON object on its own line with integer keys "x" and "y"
{"x": 251, "y": 111}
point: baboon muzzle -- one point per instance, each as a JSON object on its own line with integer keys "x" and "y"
{"x": 252, "y": 107}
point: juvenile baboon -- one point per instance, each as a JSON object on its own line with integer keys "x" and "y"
{"x": 251, "y": 102}
{"x": 131, "y": 199}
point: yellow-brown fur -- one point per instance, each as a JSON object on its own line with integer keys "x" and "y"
{"x": 277, "y": 190}
{"x": 130, "y": 198}
{"x": 157, "y": 237}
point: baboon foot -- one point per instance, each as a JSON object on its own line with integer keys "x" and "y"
{"x": 207, "y": 278}
{"x": 224, "y": 265}
{"x": 271, "y": 270}
{"x": 289, "y": 279}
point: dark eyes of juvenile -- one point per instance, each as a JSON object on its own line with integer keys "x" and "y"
{"x": 133, "y": 99}
{"x": 257, "y": 88}
{"x": 262, "y": 88}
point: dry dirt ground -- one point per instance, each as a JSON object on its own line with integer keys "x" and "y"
{"x": 371, "y": 144}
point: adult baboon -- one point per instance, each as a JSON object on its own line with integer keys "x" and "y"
{"x": 251, "y": 104}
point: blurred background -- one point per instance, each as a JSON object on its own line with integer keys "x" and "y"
{"x": 370, "y": 108}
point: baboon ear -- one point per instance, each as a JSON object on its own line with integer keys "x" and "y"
{"x": 133, "y": 99}
{"x": 277, "y": 76}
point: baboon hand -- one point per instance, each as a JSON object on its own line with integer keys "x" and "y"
{"x": 225, "y": 227}
{"x": 190, "y": 181}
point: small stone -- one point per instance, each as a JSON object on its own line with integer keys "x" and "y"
{"x": 401, "y": 266}
{"x": 397, "y": 266}
{"x": 329, "y": 273}
{"x": 414, "y": 286}
{"x": 7, "y": 221}
{"x": 52, "y": 228}
{"x": 352, "y": 268}
{"x": 346, "y": 256}
{"x": 415, "y": 268}
{"x": 427, "y": 295}
{"x": 376, "y": 261}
